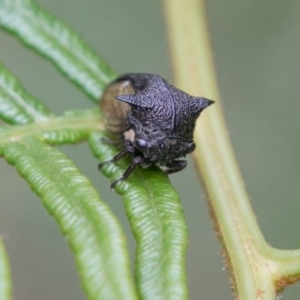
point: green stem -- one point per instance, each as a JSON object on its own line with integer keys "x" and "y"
{"x": 70, "y": 128}
{"x": 256, "y": 267}
{"x": 5, "y": 280}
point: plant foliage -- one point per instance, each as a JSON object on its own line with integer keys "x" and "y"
{"x": 94, "y": 235}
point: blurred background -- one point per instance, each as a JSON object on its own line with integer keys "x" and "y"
{"x": 256, "y": 48}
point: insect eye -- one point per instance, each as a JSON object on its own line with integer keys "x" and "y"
{"x": 191, "y": 146}
{"x": 141, "y": 144}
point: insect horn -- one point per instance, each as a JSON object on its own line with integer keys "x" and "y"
{"x": 200, "y": 103}
{"x": 203, "y": 102}
{"x": 136, "y": 100}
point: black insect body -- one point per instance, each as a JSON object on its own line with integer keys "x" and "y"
{"x": 154, "y": 120}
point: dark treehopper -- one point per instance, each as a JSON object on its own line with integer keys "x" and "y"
{"x": 152, "y": 120}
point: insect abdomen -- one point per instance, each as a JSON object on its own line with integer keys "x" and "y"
{"x": 115, "y": 113}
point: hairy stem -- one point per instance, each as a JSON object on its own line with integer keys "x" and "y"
{"x": 257, "y": 269}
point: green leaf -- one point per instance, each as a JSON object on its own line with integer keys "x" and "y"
{"x": 16, "y": 105}
{"x": 5, "y": 280}
{"x": 55, "y": 40}
{"x": 90, "y": 227}
{"x": 155, "y": 214}
{"x": 152, "y": 205}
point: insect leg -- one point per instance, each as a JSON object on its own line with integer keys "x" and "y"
{"x": 114, "y": 159}
{"x": 176, "y": 166}
{"x": 136, "y": 161}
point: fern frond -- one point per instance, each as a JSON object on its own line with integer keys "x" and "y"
{"x": 90, "y": 227}
{"x": 56, "y": 41}
{"x": 16, "y": 105}
{"x": 155, "y": 214}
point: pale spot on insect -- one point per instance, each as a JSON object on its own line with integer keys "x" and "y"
{"x": 129, "y": 135}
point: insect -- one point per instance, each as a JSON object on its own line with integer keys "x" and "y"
{"x": 152, "y": 120}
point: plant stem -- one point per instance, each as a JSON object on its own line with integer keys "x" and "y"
{"x": 5, "y": 277}
{"x": 79, "y": 124}
{"x": 255, "y": 266}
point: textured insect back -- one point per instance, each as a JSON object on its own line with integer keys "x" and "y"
{"x": 115, "y": 113}
{"x": 188, "y": 109}
{"x": 155, "y": 120}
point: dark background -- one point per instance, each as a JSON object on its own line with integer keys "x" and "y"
{"x": 256, "y": 47}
